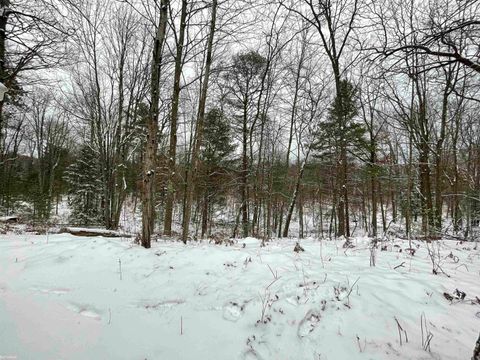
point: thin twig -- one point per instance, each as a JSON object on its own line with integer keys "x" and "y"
{"x": 400, "y": 331}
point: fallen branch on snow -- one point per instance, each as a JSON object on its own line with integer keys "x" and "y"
{"x": 92, "y": 232}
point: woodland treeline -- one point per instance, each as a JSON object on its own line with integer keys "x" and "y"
{"x": 246, "y": 116}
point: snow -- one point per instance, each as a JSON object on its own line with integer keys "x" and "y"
{"x": 69, "y": 297}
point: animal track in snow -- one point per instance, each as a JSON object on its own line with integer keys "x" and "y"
{"x": 308, "y": 323}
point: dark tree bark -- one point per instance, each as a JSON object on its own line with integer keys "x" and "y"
{"x": 244, "y": 175}
{"x": 476, "y": 350}
{"x": 150, "y": 160}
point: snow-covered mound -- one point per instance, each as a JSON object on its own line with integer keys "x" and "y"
{"x": 67, "y": 297}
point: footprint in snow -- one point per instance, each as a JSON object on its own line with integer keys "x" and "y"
{"x": 308, "y": 323}
{"x": 86, "y": 311}
{"x": 90, "y": 314}
{"x": 251, "y": 355}
{"x": 233, "y": 311}
{"x": 54, "y": 291}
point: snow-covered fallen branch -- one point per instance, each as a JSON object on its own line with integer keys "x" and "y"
{"x": 93, "y": 232}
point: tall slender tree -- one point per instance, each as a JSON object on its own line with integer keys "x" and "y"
{"x": 198, "y": 139}
{"x": 151, "y": 143}
{"x": 172, "y": 148}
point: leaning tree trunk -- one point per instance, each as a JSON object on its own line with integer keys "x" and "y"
{"x": 295, "y": 194}
{"x": 293, "y": 116}
{"x": 149, "y": 164}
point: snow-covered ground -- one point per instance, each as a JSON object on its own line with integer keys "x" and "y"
{"x": 67, "y": 297}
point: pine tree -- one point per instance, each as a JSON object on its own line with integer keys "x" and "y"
{"x": 245, "y": 81}
{"x": 218, "y": 139}
{"x": 85, "y": 188}
{"x": 338, "y": 136}
{"x": 216, "y": 157}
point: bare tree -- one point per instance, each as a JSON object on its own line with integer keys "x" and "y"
{"x": 172, "y": 150}
{"x": 150, "y": 160}
{"x": 197, "y": 141}
{"x": 32, "y": 37}
{"x": 49, "y": 138}
{"x": 335, "y": 22}
{"x": 110, "y": 82}
{"x": 447, "y": 32}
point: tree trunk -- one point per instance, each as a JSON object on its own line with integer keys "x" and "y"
{"x": 455, "y": 187}
{"x": 150, "y": 160}
{"x": 373, "y": 180}
{"x": 205, "y": 214}
{"x": 300, "y": 218}
{"x": 425, "y": 189}
{"x": 4, "y": 5}
{"x": 192, "y": 170}
{"x": 244, "y": 179}
{"x": 293, "y": 114}
{"x": 295, "y": 195}
{"x": 172, "y": 150}
{"x": 476, "y": 350}
{"x": 345, "y": 189}
{"x": 439, "y": 156}
{"x": 268, "y": 223}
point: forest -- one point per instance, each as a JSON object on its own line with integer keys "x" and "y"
{"x": 243, "y": 118}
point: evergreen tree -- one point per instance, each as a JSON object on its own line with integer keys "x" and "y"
{"x": 245, "y": 82}
{"x": 216, "y": 157}
{"x": 340, "y": 127}
{"x": 218, "y": 145}
{"x": 85, "y": 188}
{"x": 338, "y": 136}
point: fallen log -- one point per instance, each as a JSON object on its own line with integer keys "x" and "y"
{"x": 93, "y": 232}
